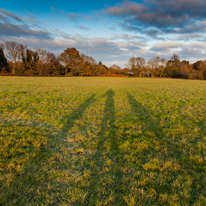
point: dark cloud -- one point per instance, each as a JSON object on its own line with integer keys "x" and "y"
{"x": 158, "y": 17}
{"x": 7, "y": 13}
{"x": 20, "y": 28}
{"x": 197, "y": 28}
{"x": 15, "y": 30}
{"x": 190, "y": 8}
{"x": 154, "y": 33}
{"x": 2, "y": 17}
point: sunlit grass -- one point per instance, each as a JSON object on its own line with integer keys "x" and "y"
{"x": 102, "y": 141}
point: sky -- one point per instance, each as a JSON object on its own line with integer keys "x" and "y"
{"x": 111, "y": 31}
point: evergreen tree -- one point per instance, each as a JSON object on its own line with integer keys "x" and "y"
{"x": 3, "y": 61}
{"x": 30, "y": 60}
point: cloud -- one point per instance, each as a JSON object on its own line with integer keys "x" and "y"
{"x": 10, "y": 14}
{"x": 54, "y": 9}
{"x": 76, "y": 17}
{"x": 158, "y": 17}
{"x": 128, "y": 37}
{"x": 159, "y": 34}
{"x": 198, "y": 27}
{"x": 31, "y": 19}
{"x": 147, "y": 15}
{"x": 21, "y": 28}
{"x": 2, "y": 17}
{"x": 166, "y": 46}
{"x": 190, "y": 51}
{"x": 83, "y": 28}
{"x": 127, "y": 8}
{"x": 189, "y": 37}
{"x": 154, "y": 33}
{"x": 9, "y": 29}
{"x": 137, "y": 42}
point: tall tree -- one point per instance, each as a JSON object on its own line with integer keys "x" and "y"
{"x": 88, "y": 65}
{"x": 42, "y": 53}
{"x": 88, "y": 59}
{"x": 199, "y": 65}
{"x": 53, "y": 65}
{"x": 14, "y": 52}
{"x": 136, "y": 64}
{"x": 131, "y": 64}
{"x": 175, "y": 57}
{"x": 72, "y": 60}
{"x": 30, "y": 60}
{"x": 115, "y": 69}
{"x": 42, "y": 63}
{"x": 154, "y": 62}
{"x": 3, "y": 60}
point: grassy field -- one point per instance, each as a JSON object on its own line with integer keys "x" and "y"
{"x": 102, "y": 141}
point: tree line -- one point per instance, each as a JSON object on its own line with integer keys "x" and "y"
{"x": 18, "y": 59}
{"x": 161, "y": 67}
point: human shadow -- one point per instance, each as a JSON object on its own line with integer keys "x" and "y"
{"x": 69, "y": 120}
{"x": 25, "y": 180}
{"x": 100, "y": 189}
{"x": 169, "y": 150}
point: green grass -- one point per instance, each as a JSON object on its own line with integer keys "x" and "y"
{"x": 102, "y": 141}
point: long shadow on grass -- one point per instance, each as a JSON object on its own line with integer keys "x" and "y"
{"x": 76, "y": 114}
{"x": 100, "y": 188}
{"x": 33, "y": 180}
{"x": 169, "y": 150}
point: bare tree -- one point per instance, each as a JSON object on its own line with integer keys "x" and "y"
{"x": 154, "y": 62}
{"x": 116, "y": 67}
{"x": 136, "y": 62}
{"x": 175, "y": 57}
{"x": 140, "y": 62}
{"x": 14, "y": 52}
{"x": 163, "y": 62}
{"x": 2, "y": 46}
{"x": 88, "y": 59}
{"x": 42, "y": 54}
{"x": 131, "y": 64}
